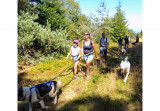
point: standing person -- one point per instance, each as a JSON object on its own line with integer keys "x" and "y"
{"x": 129, "y": 40}
{"x": 76, "y": 55}
{"x": 120, "y": 43}
{"x": 88, "y": 46}
{"x": 126, "y": 42}
{"x": 103, "y": 45}
{"x": 137, "y": 40}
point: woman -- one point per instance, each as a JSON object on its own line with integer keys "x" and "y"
{"x": 87, "y": 48}
{"x": 76, "y": 54}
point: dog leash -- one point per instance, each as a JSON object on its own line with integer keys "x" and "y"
{"x": 50, "y": 82}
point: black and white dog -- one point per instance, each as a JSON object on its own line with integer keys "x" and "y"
{"x": 125, "y": 65}
{"x": 36, "y": 94}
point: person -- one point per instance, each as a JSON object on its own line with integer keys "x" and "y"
{"x": 129, "y": 40}
{"x": 88, "y": 46}
{"x": 76, "y": 55}
{"x": 126, "y": 42}
{"x": 137, "y": 40}
{"x": 103, "y": 45}
{"x": 120, "y": 43}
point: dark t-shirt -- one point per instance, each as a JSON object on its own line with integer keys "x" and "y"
{"x": 126, "y": 40}
{"x": 120, "y": 41}
{"x": 137, "y": 39}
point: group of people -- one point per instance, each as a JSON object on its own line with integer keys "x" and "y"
{"x": 89, "y": 51}
{"x": 127, "y": 41}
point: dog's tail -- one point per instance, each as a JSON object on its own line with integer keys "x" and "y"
{"x": 58, "y": 83}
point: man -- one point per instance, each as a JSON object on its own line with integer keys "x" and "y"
{"x": 103, "y": 44}
{"x": 126, "y": 42}
{"x": 137, "y": 40}
{"x": 120, "y": 43}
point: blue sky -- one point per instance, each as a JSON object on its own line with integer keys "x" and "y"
{"x": 132, "y": 9}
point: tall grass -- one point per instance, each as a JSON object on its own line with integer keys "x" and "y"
{"x": 102, "y": 92}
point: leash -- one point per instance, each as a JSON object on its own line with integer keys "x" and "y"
{"x": 50, "y": 82}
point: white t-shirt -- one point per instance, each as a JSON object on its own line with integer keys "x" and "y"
{"x": 129, "y": 38}
{"x": 75, "y": 50}
{"x": 103, "y": 41}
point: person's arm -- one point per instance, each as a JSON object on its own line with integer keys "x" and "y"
{"x": 69, "y": 54}
{"x": 93, "y": 44}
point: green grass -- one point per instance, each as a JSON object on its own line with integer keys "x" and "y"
{"x": 102, "y": 92}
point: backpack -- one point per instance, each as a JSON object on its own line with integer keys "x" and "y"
{"x": 102, "y": 38}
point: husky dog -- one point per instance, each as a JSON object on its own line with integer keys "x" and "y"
{"x": 125, "y": 65}
{"x": 36, "y": 94}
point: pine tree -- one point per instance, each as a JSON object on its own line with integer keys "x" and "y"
{"x": 119, "y": 24}
{"x": 35, "y": 40}
{"x": 51, "y": 11}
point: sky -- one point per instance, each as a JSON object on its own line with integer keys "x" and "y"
{"x": 132, "y": 9}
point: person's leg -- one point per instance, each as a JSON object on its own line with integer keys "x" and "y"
{"x": 105, "y": 55}
{"x": 75, "y": 68}
{"x": 101, "y": 55}
{"x": 88, "y": 62}
{"x": 88, "y": 69}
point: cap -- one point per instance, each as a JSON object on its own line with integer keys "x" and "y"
{"x": 76, "y": 41}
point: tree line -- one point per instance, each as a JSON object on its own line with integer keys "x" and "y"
{"x": 47, "y": 28}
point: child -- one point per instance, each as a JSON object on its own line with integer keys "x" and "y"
{"x": 76, "y": 54}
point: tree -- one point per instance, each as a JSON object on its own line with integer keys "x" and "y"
{"x": 51, "y": 11}
{"x": 23, "y": 5}
{"x": 119, "y": 24}
{"x": 35, "y": 40}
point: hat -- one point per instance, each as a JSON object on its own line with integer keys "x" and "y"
{"x": 76, "y": 41}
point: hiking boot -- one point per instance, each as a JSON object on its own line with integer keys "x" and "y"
{"x": 75, "y": 77}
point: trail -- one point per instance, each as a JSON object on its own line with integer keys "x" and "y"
{"x": 104, "y": 91}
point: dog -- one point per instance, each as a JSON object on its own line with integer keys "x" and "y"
{"x": 125, "y": 65}
{"x": 37, "y": 93}
{"x": 124, "y": 51}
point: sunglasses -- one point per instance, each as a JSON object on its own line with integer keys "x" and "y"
{"x": 86, "y": 34}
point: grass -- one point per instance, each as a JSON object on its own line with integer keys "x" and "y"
{"x": 104, "y": 91}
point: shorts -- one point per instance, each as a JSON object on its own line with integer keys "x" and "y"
{"x": 103, "y": 49}
{"x": 88, "y": 57}
{"x": 126, "y": 43}
{"x": 74, "y": 58}
{"x": 119, "y": 44}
